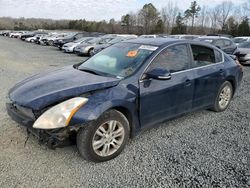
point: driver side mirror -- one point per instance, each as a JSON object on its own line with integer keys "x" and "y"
{"x": 159, "y": 74}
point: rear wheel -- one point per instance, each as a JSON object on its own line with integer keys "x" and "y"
{"x": 224, "y": 97}
{"x": 105, "y": 138}
{"x": 90, "y": 51}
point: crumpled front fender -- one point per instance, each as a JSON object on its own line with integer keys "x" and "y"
{"x": 104, "y": 100}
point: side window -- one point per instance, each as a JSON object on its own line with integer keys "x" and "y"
{"x": 227, "y": 42}
{"x": 219, "y": 43}
{"x": 174, "y": 59}
{"x": 218, "y": 56}
{"x": 78, "y": 36}
{"x": 202, "y": 55}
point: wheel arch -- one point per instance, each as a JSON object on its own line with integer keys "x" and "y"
{"x": 126, "y": 112}
{"x": 233, "y": 82}
{"x": 87, "y": 115}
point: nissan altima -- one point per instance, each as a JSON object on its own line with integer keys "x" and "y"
{"x": 127, "y": 87}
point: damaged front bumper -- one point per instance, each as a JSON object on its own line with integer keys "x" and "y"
{"x": 52, "y": 138}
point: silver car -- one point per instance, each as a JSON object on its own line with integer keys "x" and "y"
{"x": 88, "y": 47}
{"x": 69, "y": 47}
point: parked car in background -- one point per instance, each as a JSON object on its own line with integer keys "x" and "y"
{"x": 221, "y": 35}
{"x": 70, "y": 38}
{"x": 87, "y": 48}
{"x": 100, "y": 47}
{"x": 184, "y": 36}
{"x": 49, "y": 39}
{"x": 243, "y": 53}
{"x": 35, "y": 38}
{"x": 238, "y": 40}
{"x": 148, "y": 36}
{"x": 16, "y": 34}
{"x": 39, "y": 37}
{"x": 127, "y": 87}
{"x": 31, "y": 34}
{"x": 4, "y": 33}
{"x": 69, "y": 47}
{"x": 225, "y": 44}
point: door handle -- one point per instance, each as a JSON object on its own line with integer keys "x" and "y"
{"x": 188, "y": 82}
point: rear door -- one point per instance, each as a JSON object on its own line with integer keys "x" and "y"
{"x": 163, "y": 99}
{"x": 208, "y": 72}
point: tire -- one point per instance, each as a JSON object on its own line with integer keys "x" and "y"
{"x": 86, "y": 137}
{"x": 89, "y": 52}
{"x": 32, "y": 41}
{"x": 51, "y": 43}
{"x": 224, "y": 97}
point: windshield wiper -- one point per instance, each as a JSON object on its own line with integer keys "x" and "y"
{"x": 89, "y": 71}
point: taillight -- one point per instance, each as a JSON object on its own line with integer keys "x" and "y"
{"x": 238, "y": 63}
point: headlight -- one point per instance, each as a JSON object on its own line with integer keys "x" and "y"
{"x": 60, "y": 115}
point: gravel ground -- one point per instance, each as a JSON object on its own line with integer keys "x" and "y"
{"x": 202, "y": 149}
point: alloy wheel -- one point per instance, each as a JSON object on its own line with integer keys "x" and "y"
{"x": 108, "y": 138}
{"x": 225, "y": 97}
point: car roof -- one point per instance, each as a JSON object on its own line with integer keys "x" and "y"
{"x": 242, "y": 37}
{"x": 168, "y": 41}
{"x": 213, "y": 37}
{"x": 154, "y": 41}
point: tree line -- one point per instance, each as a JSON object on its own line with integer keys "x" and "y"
{"x": 226, "y": 18}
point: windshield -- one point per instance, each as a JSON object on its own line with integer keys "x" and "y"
{"x": 115, "y": 40}
{"x": 244, "y": 45}
{"x": 239, "y": 40}
{"x": 120, "y": 60}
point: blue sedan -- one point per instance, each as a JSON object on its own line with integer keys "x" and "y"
{"x": 128, "y": 87}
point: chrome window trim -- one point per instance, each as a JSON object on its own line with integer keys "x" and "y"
{"x": 223, "y": 60}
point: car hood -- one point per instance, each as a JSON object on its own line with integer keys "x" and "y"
{"x": 42, "y": 90}
{"x": 244, "y": 50}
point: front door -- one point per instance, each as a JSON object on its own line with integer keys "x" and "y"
{"x": 164, "y": 99}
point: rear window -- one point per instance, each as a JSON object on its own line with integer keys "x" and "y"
{"x": 218, "y": 56}
{"x": 202, "y": 55}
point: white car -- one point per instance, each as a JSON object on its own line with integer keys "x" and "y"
{"x": 238, "y": 40}
{"x": 69, "y": 47}
{"x": 34, "y": 38}
{"x": 15, "y": 34}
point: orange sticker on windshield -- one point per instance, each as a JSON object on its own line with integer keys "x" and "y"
{"x": 132, "y": 53}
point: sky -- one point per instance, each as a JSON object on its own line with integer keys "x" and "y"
{"x": 88, "y": 9}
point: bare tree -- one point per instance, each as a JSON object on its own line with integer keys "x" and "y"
{"x": 168, "y": 15}
{"x": 214, "y": 17}
{"x": 225, "y": 8}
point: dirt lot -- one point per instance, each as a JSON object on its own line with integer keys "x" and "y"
{"x": 202, "y": 149}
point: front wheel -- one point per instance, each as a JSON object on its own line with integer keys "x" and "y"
{"x": 224, "y": 97}
{"x": 105, "y": 138}
{"x": 51, "y": 43}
